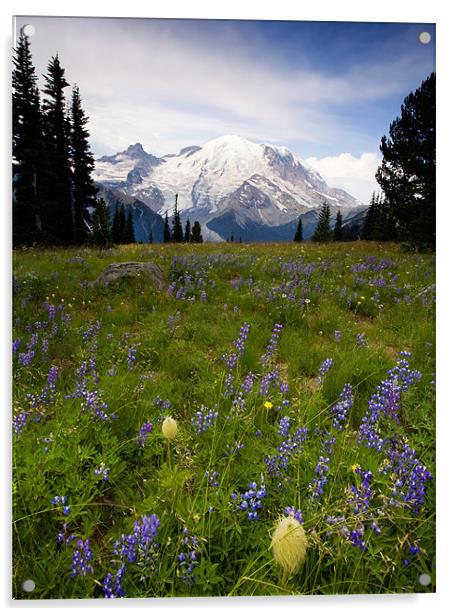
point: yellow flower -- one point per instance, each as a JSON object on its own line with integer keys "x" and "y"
{"x": 358, "y": 303}
{"x": 169, "y": 428}
{"x": 268, "y": 405}
{"x": 356, "y": 468}
{"x": 362, "y": 297}
{"x": 289, "y": 544}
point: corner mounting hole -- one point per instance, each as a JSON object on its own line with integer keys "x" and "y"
{"x": 424, "y": 38}
{"x": 28, "y": 30}
{"x": 29, "y": 586}
{"x": 424, "y": 579}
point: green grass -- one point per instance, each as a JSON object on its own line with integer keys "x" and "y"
{"x": 312, "y": 290}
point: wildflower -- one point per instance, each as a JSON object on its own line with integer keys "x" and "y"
{"x": 289, "y": 544}
{"x": 324, "y": 368}
{"x": 169, "y": 428}
{"x": 82, "y": 558}
{"x": 268, "y": 405}
{"x": 187, "y": 558}
{"x": 294, "y": 513}
{"x": 144, "y": 432}
{"x": 356, "y": 468}
{"x": 340, "y": 410}
{"x": 104, "y": 471}
{"x": 204, "y": 419}
{"x": 251, "y": 500}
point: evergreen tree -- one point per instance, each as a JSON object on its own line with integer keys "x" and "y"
{"x": 129, "y": 234}
{"x": 338, "y": 231}
{"x": 82, "y": 165}
{"x": 370, "y": 220}
{"x": 116, "y": 237}
{"x": 187, "y": 231}
{"x": 122, "y": 225}
{"x": 56, "y": 182}
{"x": 351, "y": 232}
{"x": 196, "y": 233}
{"x": 232, "y": 239}
{"x": 101, "y": 229}
{"x": 150, "y": 237}
{"x": 166, "y": 235}
{"x": 322, "y": 231}
{"x": 27, "y": 225}
{"x": 407, "y": 172}
{"x": 299, "y": 231}
{"x": 177, "y": 229}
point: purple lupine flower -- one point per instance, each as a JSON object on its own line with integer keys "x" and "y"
{"x": 204, "y": 419}
{"x": 111, "y": 585}
{"x": 16, "y": 345}
{"x": 144, "y": 431}
{"x": 212, "y": 478}
{"x": 251, "y": 500}
{"x": 340, "y": 410}
{"x": 62, "y": 536}
{"x": 272, "y": 345}
{"x": 203, "y": 296}
{"x": 289, "y": 447}
{"x": 324, "y": 368}
{"x": 187, "y": 558}
{"x": 26, "y": 358}
{"x": 410, "y": 476}
{"x": 131, "y": 357}
{"x": 337, "y": 335}
{"x": 284, "y": 426}
{"x": 361, "y": 340}
{"x": 102, "y": 471}
{"x": 294, "y": 513}
{"x": 81, "y": 559}
{"x": 385, "y": 402}
{"x": 20, "y": 421}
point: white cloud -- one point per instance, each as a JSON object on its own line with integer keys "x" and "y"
{"x": 167, "y": 85}
{"x": 356, "y": 175}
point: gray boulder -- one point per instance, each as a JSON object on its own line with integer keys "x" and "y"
{"x": 131, "y": 269}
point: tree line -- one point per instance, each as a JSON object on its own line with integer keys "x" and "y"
{"x": 54, "y": 197}
{"x": 405, "y": 211}
{"x": 175, "y": 233}
{"x": 53, "y": 193}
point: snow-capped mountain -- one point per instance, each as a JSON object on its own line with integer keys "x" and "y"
{"x": 228, "y": 177}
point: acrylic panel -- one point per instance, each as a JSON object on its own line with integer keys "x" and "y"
{"x": 223, "y": 308}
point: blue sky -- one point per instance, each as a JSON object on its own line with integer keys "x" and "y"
{"x": 326, "y": 90}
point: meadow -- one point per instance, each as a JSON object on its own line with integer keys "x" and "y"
{"x": 301, "y": 382}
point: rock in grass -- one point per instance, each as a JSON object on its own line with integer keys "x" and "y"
{"x": 131, "y": 269}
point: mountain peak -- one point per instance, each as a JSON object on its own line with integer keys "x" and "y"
{"x": 135, "y": 150}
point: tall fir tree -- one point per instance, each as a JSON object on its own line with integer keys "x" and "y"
{"x": 83, "y": 165}
{"x": 116, "y": 236}
{"x": 187, "y": 231}
{"x": 121, "y": 224}
{"x": 323, "y": 231}
{"x": 129, "y": 234}
{"x": 299, "y": 231}
{"x": 150, "y": 237}
{"x": 56, "y": 183}
{"x": 196, "y": 233}
{"x": 101, "y": 232}
{"x": 370, "y": 219}
{"x": 27, "y": 224}
{"x": 338, "y": 235}
{"x": 166, "y": 233}
{"x": 177, "y": 229}
{"x": 407, "y": 172}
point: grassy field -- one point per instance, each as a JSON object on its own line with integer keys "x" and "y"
{"x": 282, "y": 366}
